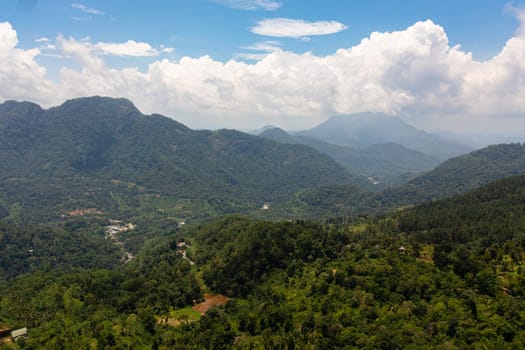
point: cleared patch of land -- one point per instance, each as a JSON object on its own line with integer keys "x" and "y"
{"x": 210, "y": 300}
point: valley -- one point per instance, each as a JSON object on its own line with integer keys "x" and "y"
{"x": 125, "y": 230}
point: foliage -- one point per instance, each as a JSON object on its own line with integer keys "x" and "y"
{"x": 458, "y": 175}
{"x": 241, "y": 253}
{"x": 455, "y": 283}
{"x": 103, "y": 153}
{"x": 99, "y": 308}
{"x": 446, "y": 275}
{"x": 387, "y": 164}
{"x": 43, "y": 247}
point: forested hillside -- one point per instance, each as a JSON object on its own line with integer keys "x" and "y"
{"x": 458, "y": 175}
{"x": 387, "y": 164}
{"x": 103, "y": 153}
{"x": 445, "y": 275}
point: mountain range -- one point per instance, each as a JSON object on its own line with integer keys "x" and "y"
{"x": 460, "y": 175}
{"x": 103, "y": 153}
{"x": 366, "y": 129}
{"x": 386, "y": 164}
{"x": 453, "y": 177}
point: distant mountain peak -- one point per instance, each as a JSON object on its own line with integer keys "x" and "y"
{"x": 274, "y": 130}
{"x": 279, "y": 135}
{"x": 263, "y": 129}
{"x": 366, "y": 129}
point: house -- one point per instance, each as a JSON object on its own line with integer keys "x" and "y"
{"x": 19, "y": 334}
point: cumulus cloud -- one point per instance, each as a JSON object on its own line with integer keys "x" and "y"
{"x": 21, "y": 77}
{"x": 268, "y": 5}
{"x": 412, "y": 72}
{"x": 296, "y": 28}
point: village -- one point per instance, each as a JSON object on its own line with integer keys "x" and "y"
{"x": 114, "y": 230}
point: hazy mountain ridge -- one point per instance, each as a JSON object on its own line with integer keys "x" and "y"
{"x": 386, "y": 163}
{"x": 103, "y": 153}
{"x": 453, "y": 177}
{"x": 365, "y": 129}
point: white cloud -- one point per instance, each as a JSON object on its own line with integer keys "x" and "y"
{"x": 296, "y": 28}
{"x": 165, "y": 49}
{"x": 130, "y": 48}
{"x": 264, "y": 47}
{"x": 249, "y": 56}
{"x": 268, "y": 5}
{"x": 86, "y": 9}
{"x": 412, "y": 72}
{"x": 42, "y": 40}
{"x": 21, "y": 77}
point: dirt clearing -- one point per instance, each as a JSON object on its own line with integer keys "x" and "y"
{"x": 210, "y": 300}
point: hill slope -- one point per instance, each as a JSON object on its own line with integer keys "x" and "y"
{"x": 365, "y": 129}
{"x": 386, "y": 163}
{"x": 103, "y": 153}
{"x": 446, "y": 275}
{"x": 460, "y": 175}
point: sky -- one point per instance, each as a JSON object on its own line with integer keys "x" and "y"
{"x": 447, "y": 65}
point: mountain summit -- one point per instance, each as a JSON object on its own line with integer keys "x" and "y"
{"x": 366, "y": 129}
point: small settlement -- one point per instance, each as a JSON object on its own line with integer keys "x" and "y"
{"x": 113, "y": 231}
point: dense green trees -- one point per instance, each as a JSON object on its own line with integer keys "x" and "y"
{"x": 447, "y": 275}
{"x": 44, "y": 247}
{"x": 239, "y": 253}
{"x": 84, "y": 309}
{"x": 456, "y": 282}
{"x": 458, "y": 175}
{"x": 103, "y": 153}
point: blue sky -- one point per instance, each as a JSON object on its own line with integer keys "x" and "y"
{"x": 202, "y": 27}
{"x": 221, "y": 63}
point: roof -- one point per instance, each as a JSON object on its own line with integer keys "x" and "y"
{"x": 17, "y": 333}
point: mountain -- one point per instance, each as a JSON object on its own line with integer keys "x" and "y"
{"x": 461, "y": 174}
{"x": 279, "y": 135}
{"x": 483, "y": 140}
{"x": 263, "y": 129}
{"x": 366, "y": 129}
{"x": 387, "y": 164}
{"x": 103, "y": 153}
